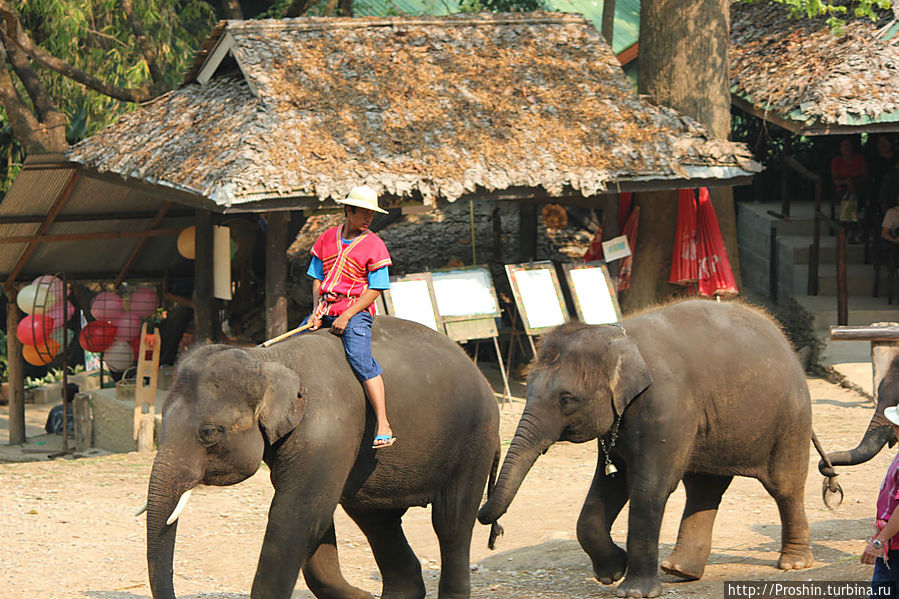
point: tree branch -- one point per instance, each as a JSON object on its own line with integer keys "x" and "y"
{"x": 36, "y": 137}
{"x": 298, "y": 8}
{"x": 43, "y": 103}
{"x": 143, "y": 42}
{"x": 17, "y": 36}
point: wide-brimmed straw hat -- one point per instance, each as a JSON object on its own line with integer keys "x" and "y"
{"x": 363, "y": 197}
{"x": 892, "y": 414}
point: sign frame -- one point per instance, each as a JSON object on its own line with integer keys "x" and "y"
{"x": 511, "y": 270}
{"x": 568, "y": 267}
{"x": 420, "y": 276}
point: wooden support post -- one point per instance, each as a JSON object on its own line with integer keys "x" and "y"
{"x": 16, "y": 372}
{"x": 842, "y": 284}
{"x": 276, "y": 274}
{"x": 884, "y": 338}
{"x": 84, "y": 424}
{"x": 205, "y": 312}
{"x": 527, "y": 231}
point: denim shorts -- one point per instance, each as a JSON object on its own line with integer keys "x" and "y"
{"x": 357, "y": 344}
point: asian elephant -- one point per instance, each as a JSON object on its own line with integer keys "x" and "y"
{"x": 879, "y": 431}
{"x": 297, "y": 406}
{"x": 696, "y": 391}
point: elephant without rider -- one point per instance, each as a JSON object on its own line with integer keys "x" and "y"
{"x": 297, "y": 406}
{"x": 696, "y": 391}
{"x": 879, "y": 431}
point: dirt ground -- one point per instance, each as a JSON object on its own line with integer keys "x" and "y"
{"x": 69, "y": 528}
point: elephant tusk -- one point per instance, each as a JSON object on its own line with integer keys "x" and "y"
{"x": 178, "y": 508}
{"x": 141, "y": 510}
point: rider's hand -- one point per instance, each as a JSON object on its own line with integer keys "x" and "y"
{"x": 339, "y": 325}
{"x": 316, "y": 324}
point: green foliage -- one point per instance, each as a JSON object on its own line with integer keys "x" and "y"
{"x": 53, "y": 376}
{"x": 501, "y": 5}
{"x": 95, "y": 37}
{"x": 834, "y": 11}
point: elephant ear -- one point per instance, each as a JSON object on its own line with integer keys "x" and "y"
{"x": 630, "y": 375}
{"x": 282, "y": 405}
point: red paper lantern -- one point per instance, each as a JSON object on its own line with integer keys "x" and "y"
{"x": 97, "y": 336}
{"x": 34, "y": 329}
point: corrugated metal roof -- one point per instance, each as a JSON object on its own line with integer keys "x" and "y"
{"x": 627, "y": 13}
{"x": 94, "y": 206}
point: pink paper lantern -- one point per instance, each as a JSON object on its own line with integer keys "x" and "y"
{"x": 144, "y": 302}
{"x": 97, "y": 336}
{"x": 106, "y": 306}
{"x": 56, "y": 313}
{"x": 127, "y": 326}
{"x": 34, "y": 329}
{"x": 52, "y": 284}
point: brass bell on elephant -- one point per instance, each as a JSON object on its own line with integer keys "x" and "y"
{"x": 611, "y": 469}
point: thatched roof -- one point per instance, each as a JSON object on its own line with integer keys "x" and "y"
{"x": 800, "y": 74}
{"x": 436, "y": 106}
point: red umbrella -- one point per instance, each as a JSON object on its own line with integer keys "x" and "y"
{"x": 715, "y": 274}
{"x": 594, "y": 252}
{"x": 684, "y": 265}
{"x": 630, "y": 231}
{"x": 625, "y": 200}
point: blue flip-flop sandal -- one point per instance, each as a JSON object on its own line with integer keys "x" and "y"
{"x": 390, "y": 440}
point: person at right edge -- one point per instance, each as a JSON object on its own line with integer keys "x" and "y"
{"x": 882, "y": 549}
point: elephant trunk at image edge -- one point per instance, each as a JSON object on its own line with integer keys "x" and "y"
{"x": 879, "y": 431}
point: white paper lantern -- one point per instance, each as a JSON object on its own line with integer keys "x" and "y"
{"x": 119, "y": 356}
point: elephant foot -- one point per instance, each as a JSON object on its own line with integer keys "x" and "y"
{"x": 795, "y": 560}
{"x": 643, "y": 586}
{"x": 683, "y": 566}
{"x": 609, "y": 569}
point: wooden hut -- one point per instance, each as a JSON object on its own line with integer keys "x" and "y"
{"x": 285, "y": 115}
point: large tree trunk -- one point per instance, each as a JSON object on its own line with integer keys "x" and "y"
{"x": 683, "y": 65}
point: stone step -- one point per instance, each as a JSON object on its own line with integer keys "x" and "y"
{"x": 795, "y": 249}
{"x": 863, "y": 310}
{"x": 859, "y": 279}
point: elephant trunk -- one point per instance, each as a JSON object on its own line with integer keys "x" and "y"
{"x": 530, "y": 440}
{"x": 167, "y": 485}
{"x": 877, "y": 435}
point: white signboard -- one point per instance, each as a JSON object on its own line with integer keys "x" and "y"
{"x": 537, "y": 292}
{"x": 615, "y": 249}
{"x": 467, "y": 292}
{"x": 593, "y": 295}
{"x": 411, "y": 299}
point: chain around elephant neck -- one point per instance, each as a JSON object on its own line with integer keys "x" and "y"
{"x": 620, "y": 327}
{"x": 607, "y": 451}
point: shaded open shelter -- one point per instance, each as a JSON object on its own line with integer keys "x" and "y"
{"x": 285, "y": 115}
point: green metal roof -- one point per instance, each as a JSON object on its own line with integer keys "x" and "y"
{"x": 627, "y": 13}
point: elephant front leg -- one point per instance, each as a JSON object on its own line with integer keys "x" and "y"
{"x": 290, "y": 537}
{"x": 322, "y": 572}
{"x": 648, "y": 496}
{"x": 606, "y": 497}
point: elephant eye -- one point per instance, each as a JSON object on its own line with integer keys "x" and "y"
{"x": 210, "y": 434}
{"x": 568, "y": 403}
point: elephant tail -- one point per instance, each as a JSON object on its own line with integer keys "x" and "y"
{"x": 495, "y": 529}
{"x": 831, "y": 491}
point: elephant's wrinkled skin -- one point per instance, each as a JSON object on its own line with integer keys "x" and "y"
{"x": 298, "y": 406}
{"x": 705, "y": 391}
